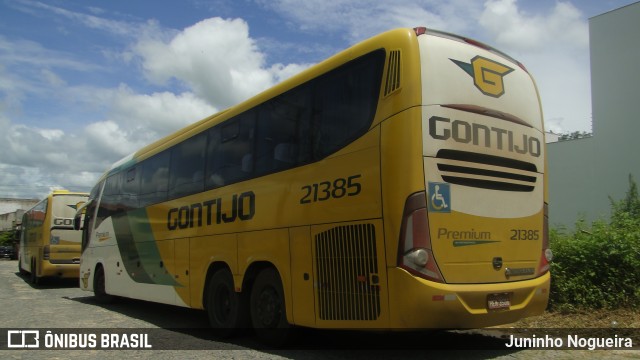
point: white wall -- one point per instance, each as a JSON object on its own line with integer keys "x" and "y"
{"x": 584, "y": 173}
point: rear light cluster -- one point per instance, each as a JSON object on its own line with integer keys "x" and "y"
{"x": 547, "y": 254}
{"x": 46, "y": 251}
{"x": 415, "y": 254}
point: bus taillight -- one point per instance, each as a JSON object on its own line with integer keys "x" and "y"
{"x": 420, "y": 30}
{"x": 547, "y": 254}
{"x": 415, "y": 254}
{"x": 46, "y": 251}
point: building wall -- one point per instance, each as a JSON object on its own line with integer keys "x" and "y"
{"x": 615, "y": 82}
{"x": 11, "y": 205}
{"x": 572, "y": 194}
{"x": 583, "y": 175}
{"x": 9, "y": 221}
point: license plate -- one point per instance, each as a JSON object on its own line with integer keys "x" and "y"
{"x": 498, "y": 301}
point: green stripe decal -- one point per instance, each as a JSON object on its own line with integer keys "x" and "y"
{"x": 138, "y": 249}
{"x": 459, "y": 243}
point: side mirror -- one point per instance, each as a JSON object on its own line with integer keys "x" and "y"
{"x": 77, "y": 222}
{"x": 78, "y": 219}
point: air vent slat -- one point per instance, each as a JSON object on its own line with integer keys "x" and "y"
{"x": 392, "y": 82}
{"x": 487, "y": 184}
{"x": 485, "y": 172}
{"x": 347, "y": 273}
{"x": 471, "y": 170}
{"x": 486, "y": 159}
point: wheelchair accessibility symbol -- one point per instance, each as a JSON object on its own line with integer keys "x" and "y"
{"x": 439, "y": 197}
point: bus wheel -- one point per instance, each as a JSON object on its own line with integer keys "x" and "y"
{"x": 268, "y": 312}
{"x": 34, "y": 273}
{"x": 99, "y": 291}
{"x": 226, "y": 308}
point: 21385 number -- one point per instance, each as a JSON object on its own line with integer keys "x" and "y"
{"x": 524, "y": 234}
{"x": 335, "y": 189}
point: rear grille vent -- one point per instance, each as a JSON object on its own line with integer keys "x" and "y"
{"x": 470, "y": 169}
{"x": 393, "y": 73}
{"x": 347, "y": 264}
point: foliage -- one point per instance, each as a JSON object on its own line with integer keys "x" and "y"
{"x": 574, "y": 135}
{"x": 599, "y": 267}
{"x": 6, "y": 238}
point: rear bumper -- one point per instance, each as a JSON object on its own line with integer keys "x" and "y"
{"x": 417, "y": 303}
{"x": 65, "y": 271}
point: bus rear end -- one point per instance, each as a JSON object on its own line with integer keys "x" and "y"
{"x": 473, "y": 248}
{"x": 61, "y": 256}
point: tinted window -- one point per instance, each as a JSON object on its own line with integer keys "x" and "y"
{"x": 187, "y": 167}
{"x": 154, "y": 179}
{"x": 302, "y": 125}
{"x": 111, "y": 195}
{"x": 345, "y": 101}
{"x": 230, "y": 151}
{"x": 130, "y": 188}
{"x": 283, "y": 132}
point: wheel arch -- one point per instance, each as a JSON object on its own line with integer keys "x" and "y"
{"x": 213, "y": 268}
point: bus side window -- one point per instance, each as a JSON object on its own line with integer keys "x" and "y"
{"x": 230, "y": 151}
{"x": 186, "y": 176}
{"x": 154, "y": 179}
{"x": 131, "y": 188}
{"x": 345, "y": 101}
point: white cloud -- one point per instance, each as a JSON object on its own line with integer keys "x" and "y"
{"x": 216, "y": 63}
{"x": 360, "y": 19}
{"x": 215, "y": 60}
{"x": 147, "y": 117}
{"x": 514, "y": 29}
{"x": 215, "y": 57}
{"x": 554, "y": 48}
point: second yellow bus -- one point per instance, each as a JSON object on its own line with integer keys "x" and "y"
{"x": 49, "y": 245}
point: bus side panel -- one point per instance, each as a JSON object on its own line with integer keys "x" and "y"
{"x": 29, "y": 250}
{"x": 302, "y": 276}
{"x": 207, "y": 250}
{"x": 180, "y": 270}
{"x": 270, "y": 246}
{"x": 350, "y": 275}
{"x": 402, "y": 171}
{"x": 142, "y": 275}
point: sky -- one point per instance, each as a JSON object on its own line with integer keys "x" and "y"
{"x": 84, "y": 83}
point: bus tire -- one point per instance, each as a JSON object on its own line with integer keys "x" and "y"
{"x": 268, "y": 311}
{"x": 99, "y": 287}
{"x": 33, "y": 277}
{"x": 226, "y": 308}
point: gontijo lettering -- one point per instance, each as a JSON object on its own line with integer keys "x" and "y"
{"x": 441, "y": 128}
{"x": 243, "y": 207}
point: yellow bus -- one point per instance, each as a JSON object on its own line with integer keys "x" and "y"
{"x": 49, "y": 245}
{"x": 399, "y": 184}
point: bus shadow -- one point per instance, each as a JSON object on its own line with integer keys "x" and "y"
{"x": 188, "y": 329}
{"x": 49, "y": 282}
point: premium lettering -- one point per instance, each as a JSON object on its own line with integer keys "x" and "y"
{"x": 444, "y": 233}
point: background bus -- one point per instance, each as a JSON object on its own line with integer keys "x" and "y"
{"x": 399, "y": 184}
{"x": 49, "y": 246}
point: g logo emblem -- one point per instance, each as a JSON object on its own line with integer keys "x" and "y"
{"x": 487, "y": 74}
